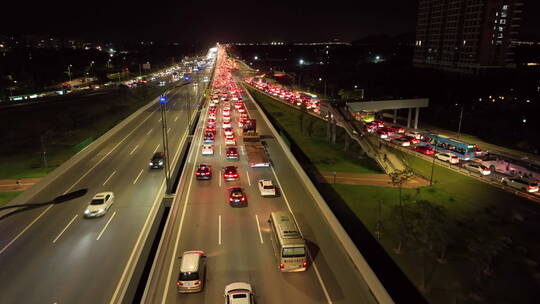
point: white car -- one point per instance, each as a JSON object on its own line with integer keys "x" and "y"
{"x": 228, "y": 131}
{"x": 266, "y": 187}
{"x": 447, "y": 157}
{"x": 207, "y": 150}
{"x": 230, "y": 140}
{"x": 99, "y": 205}
{"x": 477, "y": 168}
{"x": 239, "y": 293}
{"x": 402, "y": 141}
{"x": 227, "y": 125}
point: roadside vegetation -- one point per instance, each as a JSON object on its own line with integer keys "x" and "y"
{"x": 62, "y": 128}
{"x": 458, "y": 241}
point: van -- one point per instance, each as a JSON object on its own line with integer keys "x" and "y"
{"x": 192, "y": 272}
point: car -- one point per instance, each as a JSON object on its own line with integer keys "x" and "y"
{"x": 226, "y": 119}
{"x": 402, "y": 141}
{"x": 227, "y": 125}
{"x": 239, "y": 293}
{"x": 237, "y": 198}
{"x": 204, "y": 171}
{"x": 192, "y": 273}
{"x": 209, "y": 129}
{"x": 520, "y": 183}
{"x": 228, "y": 131}
{"x": 207, "y": 150}
{"x": 230, "y": 140}
{"x": 99, "y": 205}
{"x": 157, "y": 161}
{"x": 212, "y": 116}
{"x": 447, "y": 157}
{"x": 242, "y": 109}
{"x": 209, "y": 137}
{"x": 382, "y": 134}
{"x": 398, "y": 129}
{"x": 478, "y": 168}
{"x": 427, "y": 150}
{"x": 414, "y": 134}
{"x": 231, "y": 153}
{"x": 210, "y": 123}
{"x": 226, "y": 111}
{"x": 412, "y": 140}
{"x": 230, "y": 173}
{"x": 266, "y": 187}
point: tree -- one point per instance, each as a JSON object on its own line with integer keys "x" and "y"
{"x": 398, "y": 178}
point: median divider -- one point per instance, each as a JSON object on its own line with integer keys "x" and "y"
{"x": 375, "y": 286}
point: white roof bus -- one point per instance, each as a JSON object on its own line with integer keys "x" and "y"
{"x": 289, "y": 246}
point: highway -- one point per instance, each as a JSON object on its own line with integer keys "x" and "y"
{"x": 237, "y": 240}
{"x": 52, "y": 254}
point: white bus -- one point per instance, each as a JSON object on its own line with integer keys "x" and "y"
{"x": 510, "y": 165}
{"x": 289, "y": 246}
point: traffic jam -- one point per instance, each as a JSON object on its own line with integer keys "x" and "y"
{"x": 498, "y": 167}
{"x": 226, "y": 101}
{"x": 296, "y": 98}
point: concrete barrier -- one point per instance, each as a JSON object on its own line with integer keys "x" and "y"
{"x": 373, "y": 283}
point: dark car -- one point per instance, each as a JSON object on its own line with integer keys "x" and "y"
{"x": 157, "y": 161}
{"x": 231, "y": 153}
{"x": 237, "y": 198}
{"x": 204, "y": 171}
{"x": 209, "y": 137}
{"x": 230, "y": 173}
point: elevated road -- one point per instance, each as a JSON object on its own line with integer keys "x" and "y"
{"x": 51, "y": 254}
{"x": 237, "y": 240}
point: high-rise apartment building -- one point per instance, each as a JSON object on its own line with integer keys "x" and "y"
{"x": 466, "y": 36}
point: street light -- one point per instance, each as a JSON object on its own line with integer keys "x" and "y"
{"x": 255, "y": 57}
{"x": 69, "y": 72}
{"x": 301, "y": 61}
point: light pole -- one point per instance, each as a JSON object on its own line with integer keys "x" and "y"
{"x": 300, "y": 62}
{"x": 460, "y": 119}
{"x": 432, "y": 168}
{"x": 163, "y": 107}
{"x": 69, "y": 73}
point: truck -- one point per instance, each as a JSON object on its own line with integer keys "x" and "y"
{"x": 255, "y": 149}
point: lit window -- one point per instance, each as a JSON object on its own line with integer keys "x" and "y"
{"x": 505, "y": 7}
{"x": 501, "y": 28}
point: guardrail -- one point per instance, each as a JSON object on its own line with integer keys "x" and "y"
{"x": 375, "y": 286}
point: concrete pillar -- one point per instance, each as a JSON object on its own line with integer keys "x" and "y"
{"x": 347, "y": 142}
{"x": 334, "y": 131}
{"x": 409, "y": 118}
{"x": 416, "y": 118}
{"x": 395, "y": 115}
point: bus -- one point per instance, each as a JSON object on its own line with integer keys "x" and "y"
{"x": 510, "y": 165}
{"x": 443, "y": 143}
{"x": 289, "y": 246}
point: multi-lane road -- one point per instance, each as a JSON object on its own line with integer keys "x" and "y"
{"x": 52, "y": 254}
{"x": 237, "y": 240}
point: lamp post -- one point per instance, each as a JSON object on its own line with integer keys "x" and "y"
{"x": 163, "y": 106}
{"x": 432, "y": 168}
{"x": 300, "y": 62}
{"x": 460, "y": 119}
{"x": 69, "y": 73}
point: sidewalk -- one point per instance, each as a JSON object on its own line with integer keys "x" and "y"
{"x": 381, "y": 180}
{"x": 9, "y": 185}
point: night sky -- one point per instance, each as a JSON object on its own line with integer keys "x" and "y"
{"x": 211, "y": 21}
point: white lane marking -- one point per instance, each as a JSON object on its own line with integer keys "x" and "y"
{"x": 173, "y": 256}
{"x": 26, "y": 228}
{"x": 219, "y": 178}
{"x": 130, "y": 153}
{"x": 108, "y": 178}
{"x": 148, "y": 133}
{"x": 259, "y": 228}
{"x": 132, "y": 255}
{"x": 249, "y": 181}
{"x": 219, "y": 148}
{"x": 103, "y": 158}
{"x": 105, "y": 227}
{"x": 159, "y": 119}
{"x": 137, "y": 178}
{"x": 176, "y": 118}
{"x": 326, "y": 294}
{"x": 243, "y": 149}
{"x": 219, "y": 229}
{"x": 64, "y": 230}
{"x": 157, "y": 147}
{"x": 168, "y": 130}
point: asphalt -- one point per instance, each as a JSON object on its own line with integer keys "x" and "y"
{"x": 237, "y": 240}
{"x": 51, "y": 254}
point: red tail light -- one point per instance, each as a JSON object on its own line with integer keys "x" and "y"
{"x": 179, "y": 283}
{"x": 197, "y": 282}
{"x": 243, "y": 198}
{"x": 230, "y": 199}
{"x": 197, "y": 173}
{"x": 281, "y": 266}
{"x": 304, "y": 264}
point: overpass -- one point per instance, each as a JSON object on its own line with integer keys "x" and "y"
{"x": 395, "y": 104}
